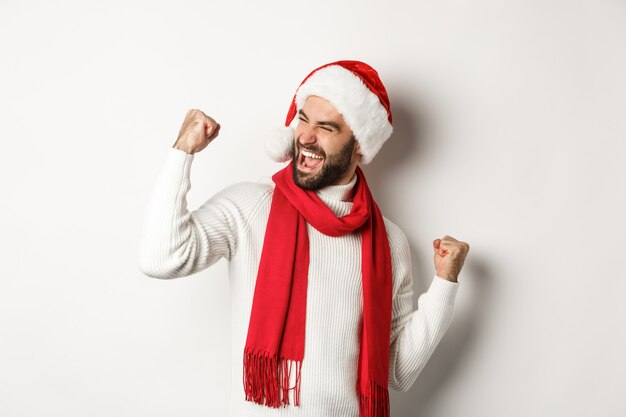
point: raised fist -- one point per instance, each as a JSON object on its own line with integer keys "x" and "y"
{"x": 197, "y": 131}
{"x": 449, "y": 257}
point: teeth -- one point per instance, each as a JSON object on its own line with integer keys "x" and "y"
{"x": 311, "y": 155}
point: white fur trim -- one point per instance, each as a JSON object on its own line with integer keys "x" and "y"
{"x": 359, "y": 106}
{"x": 279, "y": 145}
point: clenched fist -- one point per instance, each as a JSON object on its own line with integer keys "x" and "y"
{"x": 449, "y": 257}
{"x": 197, "y": 132}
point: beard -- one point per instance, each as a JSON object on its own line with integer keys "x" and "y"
{"x": 333, "y": 166}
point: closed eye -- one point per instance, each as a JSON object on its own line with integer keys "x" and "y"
{"x": 323, "y": 126}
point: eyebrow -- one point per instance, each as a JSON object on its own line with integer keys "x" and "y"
{"x": 325, "y": 123}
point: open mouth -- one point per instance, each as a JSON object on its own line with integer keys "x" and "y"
{"x": 309, "y": 161}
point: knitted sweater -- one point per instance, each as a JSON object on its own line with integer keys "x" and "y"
{"x": 231, "y": 225}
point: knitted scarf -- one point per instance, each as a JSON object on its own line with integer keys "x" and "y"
{"x": 275, "y": 342}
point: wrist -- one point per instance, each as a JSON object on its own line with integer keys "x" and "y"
{"x": 448, "y": 277}
{"x": 183, "y": 148}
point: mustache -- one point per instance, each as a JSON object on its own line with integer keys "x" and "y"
{"x": 312, "y": 148}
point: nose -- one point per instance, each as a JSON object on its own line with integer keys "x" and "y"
{"x": 308, "y": 135}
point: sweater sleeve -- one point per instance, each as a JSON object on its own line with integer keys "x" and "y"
{"x": 175, "y": 242}
{"x": 415, "y": 334}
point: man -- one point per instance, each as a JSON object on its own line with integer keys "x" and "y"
{"x": 321, "y": 284}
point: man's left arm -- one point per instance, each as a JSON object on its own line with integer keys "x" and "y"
{"x": 416, "y": 333}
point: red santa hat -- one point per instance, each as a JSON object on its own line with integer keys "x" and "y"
{"x": 356, "y": 91}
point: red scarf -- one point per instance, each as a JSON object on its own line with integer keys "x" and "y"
{"x": 275, "y": 343}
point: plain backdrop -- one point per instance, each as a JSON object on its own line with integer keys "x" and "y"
{"x": 510, "y": 134}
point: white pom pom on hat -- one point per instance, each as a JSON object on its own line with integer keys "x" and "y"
{"x": 280, "y": 145}
{"x": 356, "y": 91}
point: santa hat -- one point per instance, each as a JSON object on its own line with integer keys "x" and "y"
{"x": 356, "y": 91}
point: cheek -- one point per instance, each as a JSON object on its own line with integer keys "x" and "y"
{"x": 330, "y": 149}
{"x": 337, "y": 145}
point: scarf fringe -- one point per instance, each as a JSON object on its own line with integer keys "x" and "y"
{"x": 266, "y": 379}
{"x": 376, "y": 404}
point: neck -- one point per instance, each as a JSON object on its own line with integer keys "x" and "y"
{"x": 332, "y": 194}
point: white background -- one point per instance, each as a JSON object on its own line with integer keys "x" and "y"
{"x": 509, "y": 134}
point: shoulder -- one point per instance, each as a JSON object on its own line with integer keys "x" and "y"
{"x": 244, "y": 193}
{"x": 240, "y": 200}
{"x": 247, "y": 189}
{"x": 398, "y": 242}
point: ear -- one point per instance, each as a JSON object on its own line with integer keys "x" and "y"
{"x": 356, "y": 153}
{"x": 357, "y": 149}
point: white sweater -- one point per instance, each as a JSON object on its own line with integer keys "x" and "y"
{"x": 231, "y": 224}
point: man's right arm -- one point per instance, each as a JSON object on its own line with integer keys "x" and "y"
{"x": 174, "y": 242}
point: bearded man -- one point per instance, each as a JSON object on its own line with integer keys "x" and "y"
{"x": 322, "y": 301}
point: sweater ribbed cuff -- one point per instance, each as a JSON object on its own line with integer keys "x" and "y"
{"x": 443, "y": 290}
{"x": 178, "y": 153}
{"x": 177, "y": 161}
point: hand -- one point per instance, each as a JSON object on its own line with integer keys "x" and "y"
{"x": 449, "y": 257}
{"x": 197, "y": 132}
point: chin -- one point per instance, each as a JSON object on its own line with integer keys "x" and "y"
{"x": 307, "y": 180}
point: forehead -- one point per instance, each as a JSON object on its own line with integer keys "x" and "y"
{"x": 321, "y": 109}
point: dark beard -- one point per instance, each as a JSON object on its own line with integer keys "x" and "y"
{"x": 334, "y": 166}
